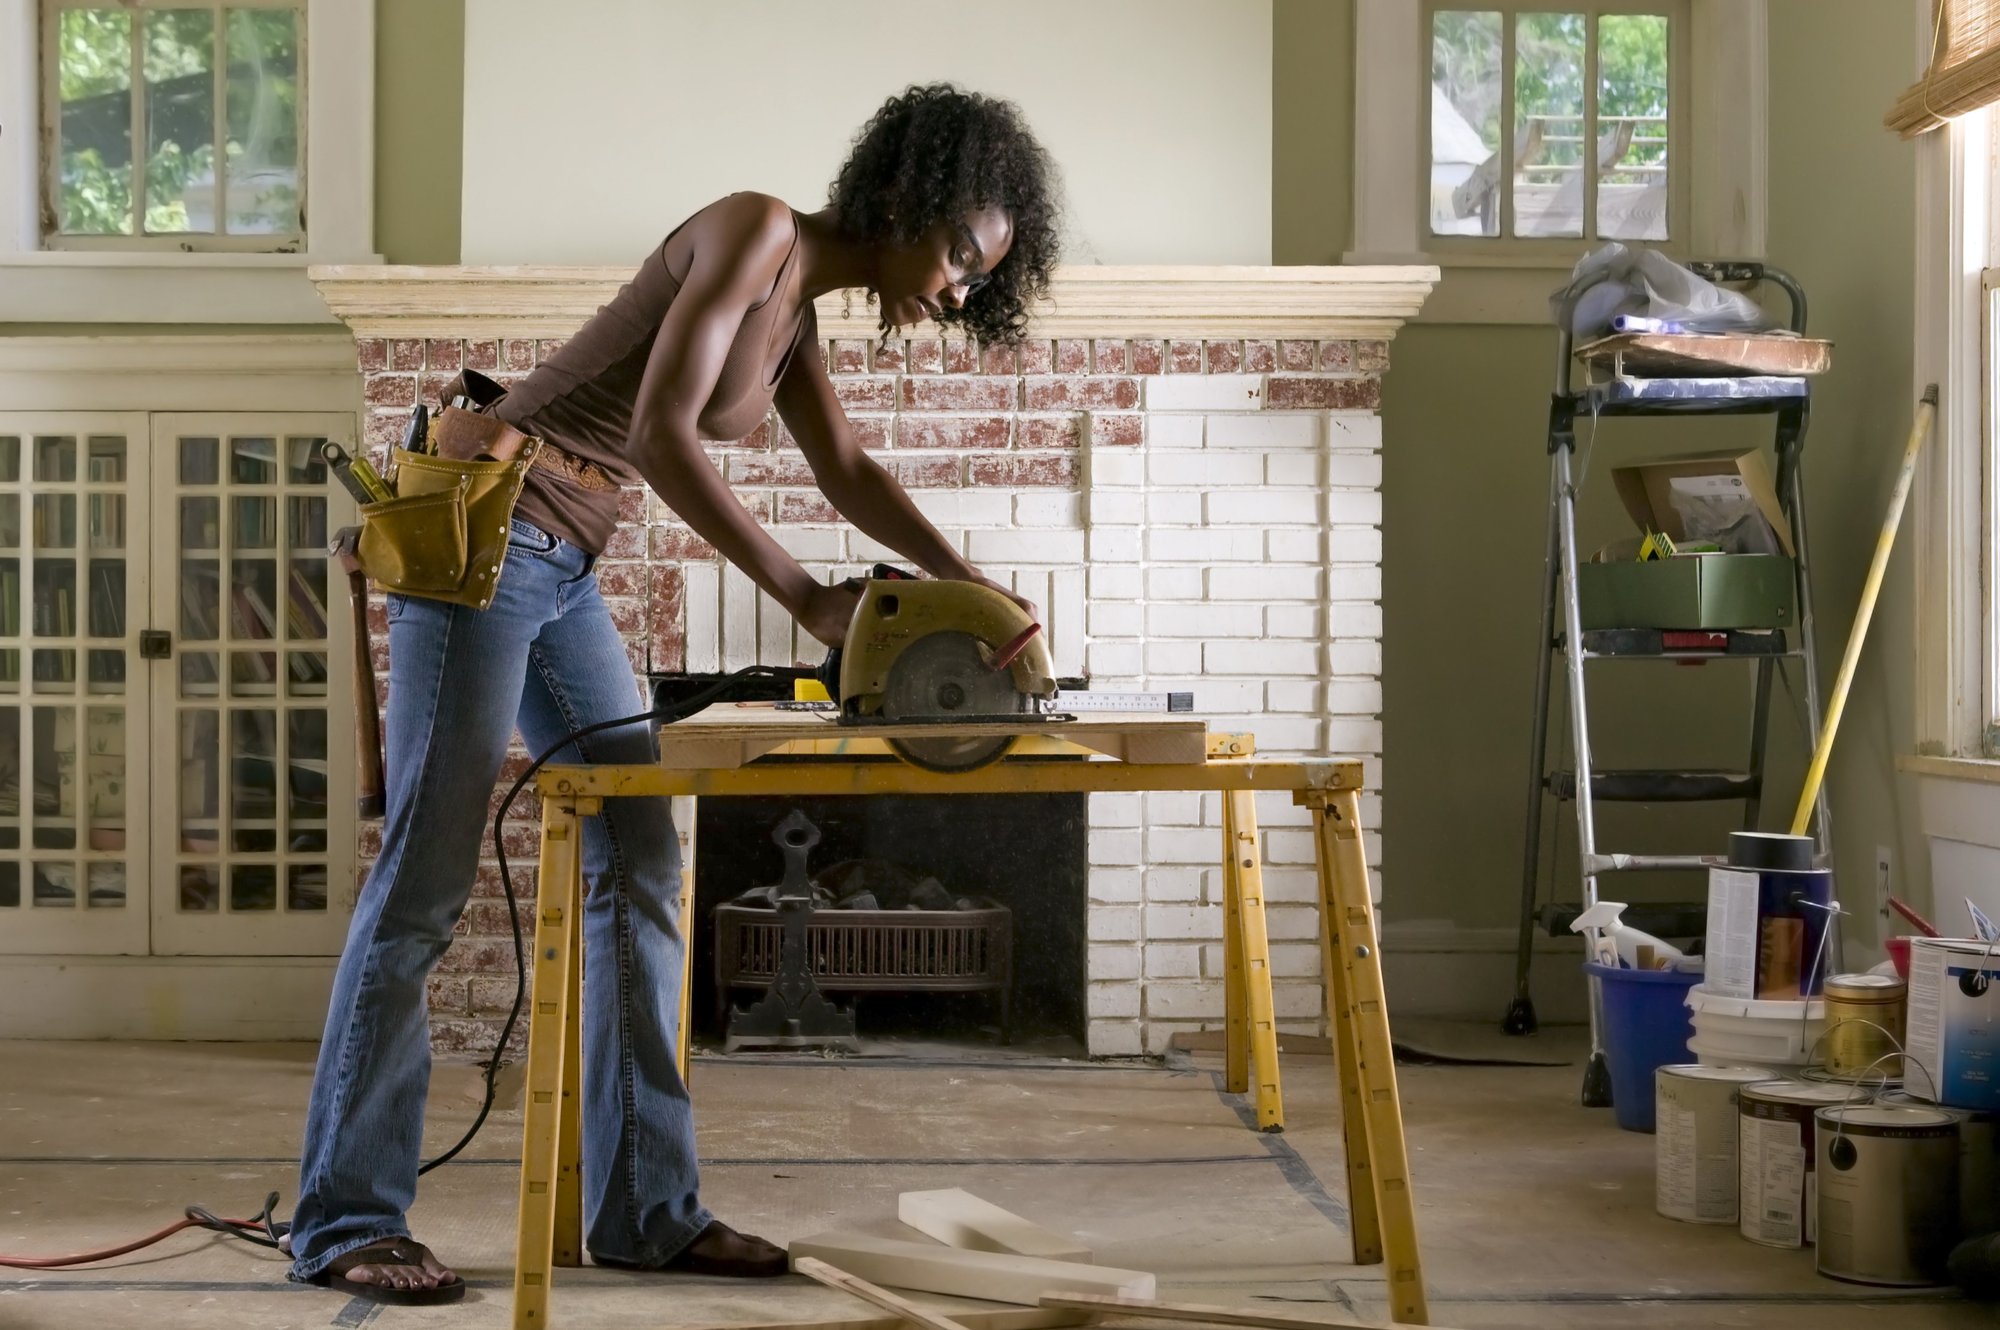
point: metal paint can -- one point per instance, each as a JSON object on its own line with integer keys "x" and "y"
{"x": 1864, "y": 1024}
{"x": 1978, "y": 1162}
{"x": 1888, "y": 1194}
{"x": 1776, "y": 1151}
{"x": 1694, "y": 1161}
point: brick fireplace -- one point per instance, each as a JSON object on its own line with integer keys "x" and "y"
{"x": 1182, "y": 467}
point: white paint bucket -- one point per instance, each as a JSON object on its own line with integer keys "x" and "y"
{"x": 1888, "y": 1194}
{"x": 1695, "y": 1145}
{"x": 1748, "y": 1032}
{"x": 1776, "y": 1196}
{"x": 1978, "y": 1162}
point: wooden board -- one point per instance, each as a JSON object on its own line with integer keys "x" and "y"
{"x": 881, "y": 1297}
{"x": 1146, "y": 1309}
{"x": 997, "y": 1318}
{"x": 735, "y": 734}
{"x": 993, "y": 1276}
{"x": 1710, "y": 354}
{"x": 957, "y": 1218}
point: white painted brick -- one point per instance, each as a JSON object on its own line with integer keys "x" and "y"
{"x": 1347, "y": 619}
{"x": 1213, "y": 964}
{"x": 1200, "y": 546}
{"x": 1212, "y": 696}
{"x": 1198, "y": 619}
{"x": 1354, "y": 470}
{"x": 1359, "y": 429}
{"x": 1295, "y": 545}
{"x": 1114, "y": 960}
{"x": 1354, "y": 658}
{"x": 1289, "y": 734}
{"x": 986, "y": 507}
{"x": 1160, "y": 1035}
{"x": 1165, "y": 430}
{"x": 1294, "y": 621}
{"x": 1291, "y": 695}
{"x": 1203, "y": 392}
{"x": 1290, "y": 923}
{"x": 1112, "y": 847}
{"x": 942, "y": 507}
{"x": 1278, "y": 810}
{"x": 1182, "y": 845}
{"x": 1291, "y": 886}
{"x": 1345, "y": 736}
{"x": 1042, "y": 547}
{"x": 1042, "y": 508}
{"x": 704, "y": 618}
{"x": 1288, "y": 846}
{"x": 1270, "y": 582}
{"x": 1290, "y": 429}
{"x": 1114, "y": 660}
{"x": 1115, "y": 1039}
{"x": 1371, "y": 812}
{"x": 1265, "y": 507}
{"x": 1354, "y": 544}
{"x": 1354, "y": 697}
{"x": 869, "y": 549}
{"x": 1354, "y": 582}
{"x": 1174, "y": 583}
{"x": 1114, "y": 923}
{"x": 1292, "y": 469}
{"x": 1167, "y": 886}
{"x": 1111, "y": 618}
{"x": 1111, "y": 1001}
{"x": 1116, "y": 810}
{"x": 1121, "y": 466}
{"x": 1296, "y": 1001}
{"x": 1173, "y": 657}
{"x": 1173, "y": 808}
{"x": 1187, "y": 1000}
{"x": 809, "y": 543}
{"x": 1117, "y": 507}
{"x": 1173, "y": 960}
{"x": 1180, "y": 922}
{"x": 1265, "y": 658}
{"x": 1115, "y": 544}
{"x": 1117, "y": 886}
{"x": 739, "y": 618}
{"x": 1116, "y": 582}
{"x": 1173, "y": 507}
{"x": 1356, "y": 507}
{"x": 1205, "y": 468}
{"x": 1063, "y": 614}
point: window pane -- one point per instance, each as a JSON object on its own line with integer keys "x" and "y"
{"x": 1632, "y": 126}
{"x": 180, "y": 120}
{"x": 1548, "y": 124}
{"x": 263, "y": 95}
{"x": 94, "y": 74}
{"x": 1465, "y": 123}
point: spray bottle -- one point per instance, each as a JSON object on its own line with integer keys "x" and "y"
{"x": 1614, "y": 943}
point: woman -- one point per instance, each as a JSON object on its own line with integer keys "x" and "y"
{"x": 944, "y": 211}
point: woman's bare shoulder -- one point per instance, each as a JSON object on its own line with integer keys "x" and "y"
{"x": 746, "y": 228}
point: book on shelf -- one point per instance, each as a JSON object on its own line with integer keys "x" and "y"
{"x": 254, "y": 619}
{"x": 307, "y": 616}
{"x": 107, "y": 598}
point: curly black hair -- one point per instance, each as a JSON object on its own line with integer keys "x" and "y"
{"x": 935, "y": 153}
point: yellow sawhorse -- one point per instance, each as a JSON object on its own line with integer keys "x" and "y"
{"x": 1379, "y": 1197}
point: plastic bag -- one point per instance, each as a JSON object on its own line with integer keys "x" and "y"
{"x": 1647, "y": 283}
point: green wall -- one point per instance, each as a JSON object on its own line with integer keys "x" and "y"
{"x": 1465, "y": 493}
{"x": 419, "y": 128}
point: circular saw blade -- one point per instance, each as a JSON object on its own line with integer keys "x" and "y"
{"x": 945, "y": 675}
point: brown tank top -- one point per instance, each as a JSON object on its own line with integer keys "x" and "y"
{"x": 581, "y": 398}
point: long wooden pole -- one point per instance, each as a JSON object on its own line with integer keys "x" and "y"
{"x": 1870, "y": 590}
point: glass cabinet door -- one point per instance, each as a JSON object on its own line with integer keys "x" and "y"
{"x": 73, "y": 706}
{"x": 252, "y": 768}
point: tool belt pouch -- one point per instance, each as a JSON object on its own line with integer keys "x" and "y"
{"x": 444, "y": 535}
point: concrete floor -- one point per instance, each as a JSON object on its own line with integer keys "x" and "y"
{"x": 1532, "y": 1211}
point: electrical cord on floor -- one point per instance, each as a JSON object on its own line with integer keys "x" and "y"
{"x": 265, "y": 1231}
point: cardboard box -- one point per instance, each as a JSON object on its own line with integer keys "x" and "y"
{"x": 1648, "y": 490}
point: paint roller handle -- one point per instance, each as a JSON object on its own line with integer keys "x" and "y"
{"x": 1917, "y": 921}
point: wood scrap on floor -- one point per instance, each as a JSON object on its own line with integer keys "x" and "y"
{"x": 833, "y": 1277}
{"x": 957, "y": 1218}
{"x": 1099, "y": 1305}
{"x": 992, "y": 1276}
{"x": 983, "y": 1318}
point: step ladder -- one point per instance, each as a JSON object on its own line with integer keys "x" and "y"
{"x": 1787, "y": 399}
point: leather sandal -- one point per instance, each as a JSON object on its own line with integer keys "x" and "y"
{"x": 390, "y": 1251}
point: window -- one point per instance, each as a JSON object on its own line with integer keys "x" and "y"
{"x": 173, "y": 124}
{"x": 1554, "y": 124}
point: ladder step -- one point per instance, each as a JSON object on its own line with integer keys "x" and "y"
{"x": 1658, "y": 787}
{"x": 1671, "y": 644}
{"x": 1652, "y": 863}
{"x": 1669, "y": 920}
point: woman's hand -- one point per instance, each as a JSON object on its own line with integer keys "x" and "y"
{"x": 828, "y": 610}
{"x": 1026, "y": 605}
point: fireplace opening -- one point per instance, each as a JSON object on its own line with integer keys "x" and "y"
{"x": 957, "y": 919}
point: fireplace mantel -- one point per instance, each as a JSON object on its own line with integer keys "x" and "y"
{"x": 1178, "y": 301}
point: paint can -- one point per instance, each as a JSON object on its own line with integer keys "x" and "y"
{"x": 1952, "y": 1055}
{"x": 1777, "y": 1193}
{"x": 1864, "y": 1025}
{"x": 1694, "y": 1159}
{"x": 1888, "y": 1194}
{"x": 1978, "y": 1162}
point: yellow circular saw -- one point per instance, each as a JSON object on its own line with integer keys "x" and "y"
{"x": 950, "y": 654}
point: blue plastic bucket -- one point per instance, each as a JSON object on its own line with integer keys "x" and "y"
{"x": 1646, "y": 1026}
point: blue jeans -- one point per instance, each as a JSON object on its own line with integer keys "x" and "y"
{"x": 545, "y": 654}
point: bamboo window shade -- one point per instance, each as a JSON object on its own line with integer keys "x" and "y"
{"x": 1964, "y": 73}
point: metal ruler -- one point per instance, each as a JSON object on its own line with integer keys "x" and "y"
{"x": 1157, "y": 702}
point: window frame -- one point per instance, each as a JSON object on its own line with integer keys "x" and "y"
{"x": 49, "y": 165}
{"x": 1560, "y": 248}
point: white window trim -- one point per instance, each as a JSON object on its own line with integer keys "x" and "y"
{"x": 40, "y": 285}
{"x": 1728, "y": 131}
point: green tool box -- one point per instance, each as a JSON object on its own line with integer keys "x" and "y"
{"x": 1699, "y": 591}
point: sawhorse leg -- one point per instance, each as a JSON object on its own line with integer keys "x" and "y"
{"x": 1378, "y": 1167}
{"x": 685, "y": 811}
{"x": 551, "y": 1021}
{"x": 1250, "y": 1039}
